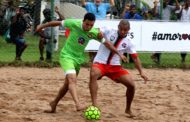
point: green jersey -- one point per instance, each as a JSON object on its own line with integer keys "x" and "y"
{"x": 77, "y": 40}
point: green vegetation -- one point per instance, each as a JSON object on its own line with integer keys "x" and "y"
{"x": 31, "y": 56}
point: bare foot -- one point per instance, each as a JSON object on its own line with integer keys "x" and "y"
{"x": 80, "y": 108}
{"x": 53, "y": 107}
{"x": 97, "y": 106}
{"x": 129, "y": 112}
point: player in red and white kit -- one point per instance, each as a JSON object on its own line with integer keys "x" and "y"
{"x": 108, "y": 62}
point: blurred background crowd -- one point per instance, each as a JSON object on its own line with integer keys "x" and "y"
{"x": 155, "y": 10}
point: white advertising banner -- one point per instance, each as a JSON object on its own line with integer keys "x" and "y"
{"x": 165, "y": 36}
{"x": 155, "y": 36}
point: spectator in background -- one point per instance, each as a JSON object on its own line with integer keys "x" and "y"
{"x": 1, "y": 13}
{"x": 167, "y": 9}
{"x": 9, "y": 11}
{"x": 146, "y": 14}
{"x": 126, "y": 9}
{"x": 3, "y": 23}
{"x": 131, "y": 13}
{"x": 120, "y": 5}
{"x": 98, "y": 8}
{"x": 184, "y": 14}
{"x": 166, "y": 14}
{"x": 45, "y": 35}
{"x": 17, "y": 29}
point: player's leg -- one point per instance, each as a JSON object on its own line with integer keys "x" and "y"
{"x": 23, "y": 47}
{"x": 17, "y": 52}
{"x": 41, "y": 48}
{"x": 56, "y": 40}
{"x": 48, "y": 50}
{"x": 63, "y": 90}
{"x": 92, "y": 55}
{"x": 20, "y": 47}
{"x": 156, "y": 57}
{"x": 95, "y": 73}
{"x": 72, "y": 80}
{"x": 71, "y": 71}
{"x": 183, "y": 56}
{"x": 66, "y": 65}
{"x": 15, "y": 41}
{"x": 130, "y": 92}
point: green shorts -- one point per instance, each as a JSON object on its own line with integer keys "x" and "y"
{"x": 69, "y": 66}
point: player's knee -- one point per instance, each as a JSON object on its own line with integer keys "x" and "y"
{"x": 94, "y": 74}
{"x": 26, "y": 45}
{"x": 71, "y": 80}
{"x": 131, "y": 85}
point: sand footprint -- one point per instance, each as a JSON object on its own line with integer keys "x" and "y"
{"x": 109, "y": 115}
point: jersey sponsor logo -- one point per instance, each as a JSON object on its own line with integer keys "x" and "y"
{"x": 112, "y": 38}
{"x": 81, "y": 40}
{"x": 124, "y": 45}
{"x": 89, "y": 35}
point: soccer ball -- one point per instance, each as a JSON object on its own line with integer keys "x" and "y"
{"x": 92, "y": 113}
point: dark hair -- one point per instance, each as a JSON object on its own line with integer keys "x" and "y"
{"x": 21, "y": 8}
{"x": 89, "y": 16}
{"x": 124, "y": 22}
{"x": 47, "y": 14}
{"x": 132, "y": 6}
{"x": 47, "y": 11}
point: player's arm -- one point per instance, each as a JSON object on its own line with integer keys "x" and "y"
{"x": 100, "y": 35}
{"x": 48, "y": 24}
{"x": 41, "y": 33}
{"x": 61, "y": 16}
{"x": 108, "y": 44}
{"x": 112, "y": 3}
{"x": 177, "y": 5}
{"x": 14, "y": 18}
{"x": 83, "y": 3}
{"x": 111, "y": 47}
{"x": 155, "y": 10}
{"x": 138, "y": 66}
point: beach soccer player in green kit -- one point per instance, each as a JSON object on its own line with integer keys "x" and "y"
{"x": 72, "y": 54}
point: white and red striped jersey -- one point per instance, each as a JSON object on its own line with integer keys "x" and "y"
{"x": 123, "y": 45}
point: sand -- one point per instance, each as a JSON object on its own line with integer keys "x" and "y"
{"x": 26, "y": 92}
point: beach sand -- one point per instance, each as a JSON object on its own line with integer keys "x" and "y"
{"x": 26, "y": 92}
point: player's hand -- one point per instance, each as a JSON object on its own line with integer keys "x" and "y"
{"x": 127, "y": 7}
{"x": 100, "y": 34}
{"x": 38, "y": 28}
{"x": 41, "y": 33}
{"x": 56, "y": 9}
{"x": 124, "y": 58}
{"x": 155, "y": 3}
{"x": 144, "y": 77}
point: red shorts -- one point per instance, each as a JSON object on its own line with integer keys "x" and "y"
{"x": 111, "y": 71}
